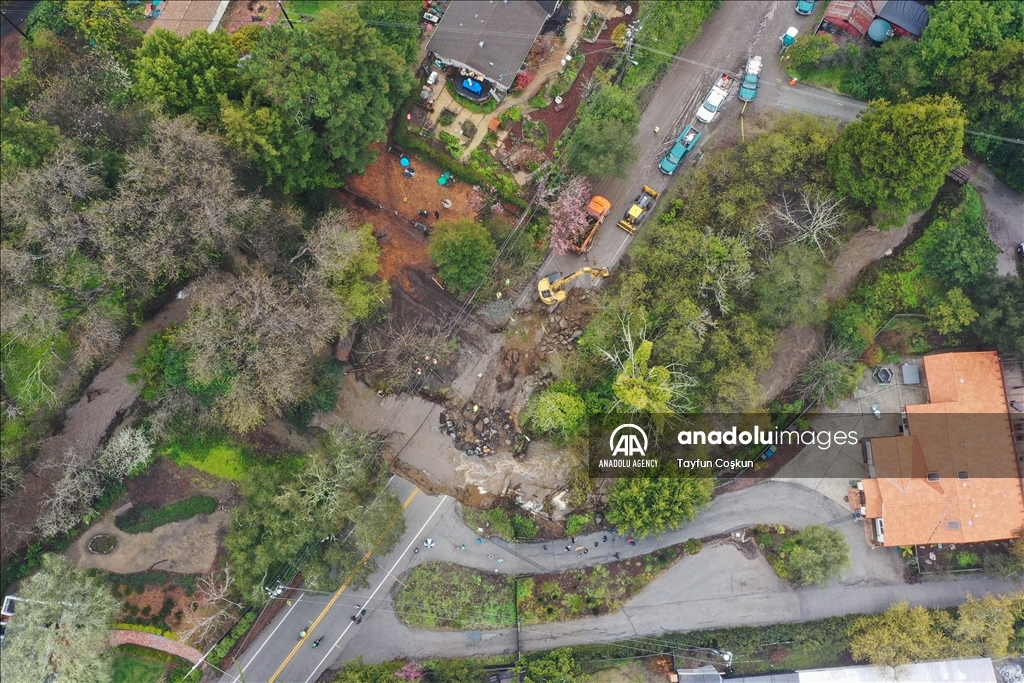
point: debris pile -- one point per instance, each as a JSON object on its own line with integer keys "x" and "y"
{"x": 480, "y": 432}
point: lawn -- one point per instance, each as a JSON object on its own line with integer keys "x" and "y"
{"x": 447, "y": 597}
{"x": 132, "y": 669}
{"x": 307, "y": 7}
{"x": 826, "y": 77}
{"x": 212, "y": 454}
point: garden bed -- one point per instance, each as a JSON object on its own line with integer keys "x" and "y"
{"x": 957, "y": 557}
{"x": 102, "y": 544}
{"x": 447, "y": 597}
{"x": 141, "y": 519}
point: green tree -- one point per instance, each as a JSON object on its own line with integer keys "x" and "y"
{"x": 50, "y": 15}
{"x": 107, "y": 23}
{"x": 554, "y": 412}
{"x": 821, "y": 553}
{"x": 380, "y": 525}
{"x": 956, "y": 29}
{"x": 603, "y": 149}
{"x": 792, "y": 291}
{"x": 335, "y": 84}
{"x": 901, "y": 635}
{"x": 890, "y": 72}
{"x": 397, "y": 21}
{"x": 25, "y": 143}
{"x": 186, "y": 74}
{"x": 555, "y": 666}
{"x": 956, "y": 248}
{"x": 462, "y": 250}
{"x": 1000, "y": 305}
{"x": 810, "y": 49}
{"x": 984, "y": 626}
{"x": 245, "y": 38}
{"x": 615, "y": 104}
{"x": 642, "y": 507}
{"x": 895, "y": 158}
{"x": 467, "y": 670}
{"x": 61, "y": 628}
{"x": 951, "y": 313}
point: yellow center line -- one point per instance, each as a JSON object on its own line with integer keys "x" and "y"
{"x": 341, "y": 590}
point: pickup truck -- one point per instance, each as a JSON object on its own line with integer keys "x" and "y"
{"x": 597, "y": 211}
{"x": 686, "y": 141}
{"x": 713, "y": 102}
{"x": 748, "y": 88}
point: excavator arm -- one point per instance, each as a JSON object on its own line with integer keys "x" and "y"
{"x": 550, "y": 288}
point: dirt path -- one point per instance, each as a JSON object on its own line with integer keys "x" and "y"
{"x": 102, "y": 406}
{"x": 155, "y": 642}
{"x": 186, "y": 547}
{"x": 794, "y": 345}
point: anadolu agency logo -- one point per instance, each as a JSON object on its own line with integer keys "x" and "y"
{"x": 628, "y": 443}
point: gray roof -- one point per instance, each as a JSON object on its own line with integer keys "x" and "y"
{"x": 909, "y": 15}
{"x": 490, "y": 36}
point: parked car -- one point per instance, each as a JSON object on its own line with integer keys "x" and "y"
{"x": 713, "y": 102}
{"x": 684, "y": 143}
{"x": 804, "y": 7}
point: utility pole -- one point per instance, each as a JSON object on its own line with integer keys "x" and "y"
{"x": 280, "y": 4}
{"x": 4, "y": 15}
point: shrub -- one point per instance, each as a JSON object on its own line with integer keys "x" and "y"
{"x": 145, "y": 629}
{"x": 468, "y": 129}
{"x": 693, "y": 546}
{"x": 326, "y": 387}
{"x": 555, "y": 413}
{"x": 446, "y": 117}
{"x": 966, "y": 559}
{"x": 820, "y": 554}
{"x": 524, "y": 527}
{"x": 510, "y": 116}
{"x": 576, "y": 523}
{"x": 141, "y": 519}
{"x": 451, "y": 144}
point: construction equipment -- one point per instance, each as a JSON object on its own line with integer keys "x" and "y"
{"x": 550, "y": 291}
{"x": 715, "y": 99}
{"x": 642, "y": 205}
{"x": 748, "y": 88}
{"x": 597, "y": 211}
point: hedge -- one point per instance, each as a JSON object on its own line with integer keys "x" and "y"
{"x": 145, "y": 629}
{"x": 233, "y": 636}
{"x": 141, "y": 519}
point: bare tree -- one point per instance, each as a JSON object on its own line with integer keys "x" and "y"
{"x": 99, "y": 334}
{"x": 391, "y": 353}
{"x": 814, "y": 218}
{"x": 44, "y": 206}
{"x": 127, "y": 451}
{"x": 827, "y": 376}
{"x": 71, "y": 496}
{"x": 726, "y": 263}
{"x": 212, "y": 608}
{"x": 259, "y": 335}
{"x": 160, "y": 227}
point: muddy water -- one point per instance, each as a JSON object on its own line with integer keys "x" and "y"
{"x": 424, "y": 454}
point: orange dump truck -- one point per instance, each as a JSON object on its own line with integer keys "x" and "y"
{"x": 597, "y": 211}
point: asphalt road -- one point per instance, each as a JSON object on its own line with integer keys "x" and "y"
{"x": 15, "y": 11}
{"x": 734, "y": 32}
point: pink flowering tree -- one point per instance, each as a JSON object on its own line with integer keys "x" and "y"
{"x": 412, "y": 671}
{"x": 568, "y": 213}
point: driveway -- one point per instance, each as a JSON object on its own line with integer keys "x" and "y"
{"x": 1004, "y": 209}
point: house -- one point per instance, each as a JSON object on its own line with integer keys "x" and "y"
{"x": 907, "y": 17}
{"x": 184, "y": 16}
{"x": 952, "y": 475}
{"x": 487, "y": 41}
{"x": 977, "y": 670}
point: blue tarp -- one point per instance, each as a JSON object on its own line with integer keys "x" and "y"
{"x": 472, "y": 86}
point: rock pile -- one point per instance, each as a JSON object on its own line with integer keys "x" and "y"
{"x": 481, "y": 432}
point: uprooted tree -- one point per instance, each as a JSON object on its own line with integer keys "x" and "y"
{"x": 568, "y": 213}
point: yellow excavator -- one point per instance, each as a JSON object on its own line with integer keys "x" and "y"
{"x": 550, "y": 288}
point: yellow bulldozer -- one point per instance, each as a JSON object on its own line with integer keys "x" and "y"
{"x": 550, "y": 288}
{"x": 642, "y": 206}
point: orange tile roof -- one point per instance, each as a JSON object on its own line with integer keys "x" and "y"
{"x": 965, "y": 429}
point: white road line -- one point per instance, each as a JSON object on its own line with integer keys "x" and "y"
{"x": 281, "y": 622}
{"x": 387, "y": 579}
{"x": 269, "y": 638}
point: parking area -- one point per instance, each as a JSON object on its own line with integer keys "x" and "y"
{"x": 828, "y": 470}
